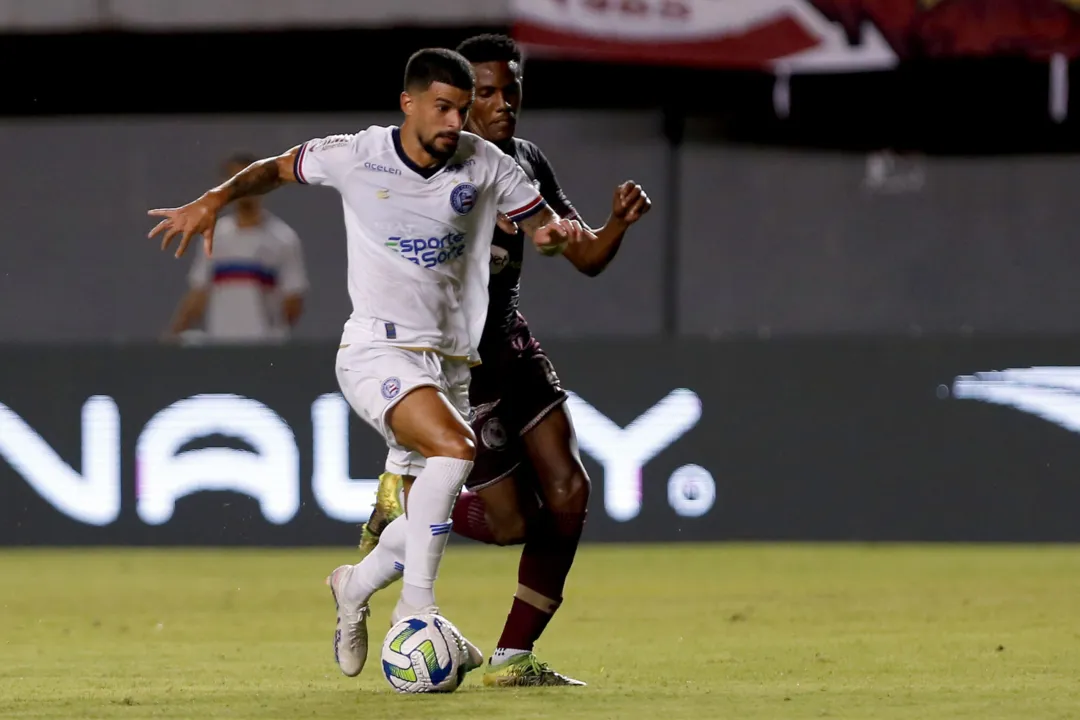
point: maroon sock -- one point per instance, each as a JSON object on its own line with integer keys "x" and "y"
{"x": 545, "y": 563}
{"x": 470, "y": 518}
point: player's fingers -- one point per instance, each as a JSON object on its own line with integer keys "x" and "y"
{"x": 208, "y": 242}
{"x": 184, "y": 241}
{"x": 159, "y": 227}
{"x": 161, "y": 212}
{"x": 630, "y": 197}
{"x": 168, "y": 238}
{"x": 642, "y": 206}
{"x": 576, "y": 231}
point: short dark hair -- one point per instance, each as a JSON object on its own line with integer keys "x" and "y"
{"x": 490, "y": 47}
{"x": 438, "y": 65}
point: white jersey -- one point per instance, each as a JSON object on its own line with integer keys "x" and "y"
{"x": 250, "y": 273}
{"x": 419, "y": 241}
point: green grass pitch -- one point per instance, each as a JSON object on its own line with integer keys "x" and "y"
{"x": 664, "y": 632}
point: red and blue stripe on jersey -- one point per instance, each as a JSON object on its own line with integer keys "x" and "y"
{"x": 240, "y": 271}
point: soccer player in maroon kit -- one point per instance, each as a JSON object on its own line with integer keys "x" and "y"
{"x": 528, "y": 484}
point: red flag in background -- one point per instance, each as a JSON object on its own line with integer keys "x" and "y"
{"x": 808, "y": 35}
{"x": 965, "y": 28}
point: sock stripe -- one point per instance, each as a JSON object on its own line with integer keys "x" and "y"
{"x": 441, "y": 528}
{"x": 399, "y": 567}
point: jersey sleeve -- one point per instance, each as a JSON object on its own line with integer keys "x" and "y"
{"x": 550, "y": 188}
{"x": 518, "y": 198}
{"x": 323, "y": 161}
{"x": 294, "y": 280}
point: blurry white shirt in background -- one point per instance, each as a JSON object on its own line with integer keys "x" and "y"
{"x": 251, "y": 272}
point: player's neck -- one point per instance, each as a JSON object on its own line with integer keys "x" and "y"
{"x": 248, "y": 216}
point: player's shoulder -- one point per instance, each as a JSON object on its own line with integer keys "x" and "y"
{"x": 527, "y": 149}
{"x": 473, "y": 147}
{"x": 349, "y": 143}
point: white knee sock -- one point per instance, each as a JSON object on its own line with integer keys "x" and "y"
{"x": 382, "y": 567}
{"x": 430, "y": 502}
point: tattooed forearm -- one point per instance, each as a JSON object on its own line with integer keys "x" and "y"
{"x": 257, "y": 179}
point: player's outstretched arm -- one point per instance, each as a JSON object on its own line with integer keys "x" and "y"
{"x": 199, "y": 217}
{"x": 627, "y": 207}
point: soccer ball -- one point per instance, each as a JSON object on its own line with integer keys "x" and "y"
{"x": 421, "y": 655}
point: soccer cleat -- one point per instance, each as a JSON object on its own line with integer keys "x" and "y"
{"x": 351, "y": 637}
{"x": 525, "y": 671}
{"x": 472, "y": 657}
{"x": 387, "y": 509}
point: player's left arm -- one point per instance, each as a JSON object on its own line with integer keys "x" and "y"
{"x": 627, "y": 207}
{"x": 629, "y": 204}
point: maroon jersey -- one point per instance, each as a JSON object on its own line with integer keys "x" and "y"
{"x": 507, "y": 251}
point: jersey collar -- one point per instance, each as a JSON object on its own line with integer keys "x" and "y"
{"x": 426, "y": 173}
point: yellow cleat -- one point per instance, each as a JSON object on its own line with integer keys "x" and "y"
{"x": 525, "y": 671}
{"x": 387, "y": 509}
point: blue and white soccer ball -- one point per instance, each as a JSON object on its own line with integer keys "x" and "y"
{"x": 421, "y": 654}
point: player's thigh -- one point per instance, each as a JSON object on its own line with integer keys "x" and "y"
{"x": 434, "y": 421}
{"x": 537, "y": 406}
{"x": 499, "y": 451}
{"x": 552, "y": 449}
{"x": 404, "y": 395}
{"x": 425, "y": 421}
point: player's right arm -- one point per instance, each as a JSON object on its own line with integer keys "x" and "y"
{"x": 315, "y": 162}
{"x": 200, "y": 216}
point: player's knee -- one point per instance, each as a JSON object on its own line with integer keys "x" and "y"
{"x": 568, "y": 490}
{"x": 458, "y": 443}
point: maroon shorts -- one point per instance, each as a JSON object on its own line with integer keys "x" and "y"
{"x": 511, "y": 392}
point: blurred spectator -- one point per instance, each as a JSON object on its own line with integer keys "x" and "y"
{"x": 252, "y": 289}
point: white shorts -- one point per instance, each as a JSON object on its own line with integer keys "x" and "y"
{"x": 374, "y": 378}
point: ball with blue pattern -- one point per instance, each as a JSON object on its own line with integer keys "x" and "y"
{"x": 420, "y": 655}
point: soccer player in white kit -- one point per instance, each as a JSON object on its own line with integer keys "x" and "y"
{"x": 421, "y": 204}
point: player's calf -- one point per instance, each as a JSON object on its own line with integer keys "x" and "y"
{"x": 425, "y": 422}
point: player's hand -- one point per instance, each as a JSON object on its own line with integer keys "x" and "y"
{"x": 630, "y": 203}
{"x": 195, "y": 218}
{"x": 553, "y": 238}
{"x": 507, "y": 225}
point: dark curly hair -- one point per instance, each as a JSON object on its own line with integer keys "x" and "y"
{"x": 490, "y": 47}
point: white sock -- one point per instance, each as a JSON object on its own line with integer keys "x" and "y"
{"x": 501, "y": 655}
{"x": 382, "y": 567}
{"x": 430, "y": 502}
